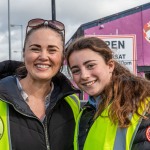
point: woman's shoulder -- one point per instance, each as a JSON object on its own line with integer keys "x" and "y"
{"x": 8, "y": 82}
{"x": 8, "y": 67}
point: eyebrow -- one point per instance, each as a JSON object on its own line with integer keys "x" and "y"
{"x": 86, "y": 62}
{"x": 49, "y": 46}
{"x": 35, "y": 45}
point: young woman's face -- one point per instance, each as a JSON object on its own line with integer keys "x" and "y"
{"x": 43, "y": 54}
{"x": 89, "y": 71}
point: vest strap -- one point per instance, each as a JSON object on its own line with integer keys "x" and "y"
{"x": 74, "y": 103}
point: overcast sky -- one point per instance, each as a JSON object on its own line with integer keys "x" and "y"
{"x": 72, "y": 13}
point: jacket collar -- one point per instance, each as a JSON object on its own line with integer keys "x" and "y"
{"x": 10, "y": 93}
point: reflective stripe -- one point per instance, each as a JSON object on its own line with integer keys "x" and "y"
{"x": 76, "y": 99}
{"x": 120, "y": 141}
{"x": 74, "y": 103}
{"x": 4, "y": 127}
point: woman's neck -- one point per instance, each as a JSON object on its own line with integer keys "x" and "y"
{"x": 36, "y": 88}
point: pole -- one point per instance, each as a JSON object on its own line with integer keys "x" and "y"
{"x": 9, "y": 35}
{"x": 53, "y": 10}
{"x": 21, "y": 37}
{"x": 21, "y": 42}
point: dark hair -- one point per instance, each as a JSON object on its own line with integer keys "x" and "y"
{"x": 126, "y": 92}
{"x": 95, "y": 44}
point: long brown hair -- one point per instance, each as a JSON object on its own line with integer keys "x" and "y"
{"x": 126, "y": 92}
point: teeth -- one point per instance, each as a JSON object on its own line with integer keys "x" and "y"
{"x": 43, "y": 66}
{"x": 90, "y": 83}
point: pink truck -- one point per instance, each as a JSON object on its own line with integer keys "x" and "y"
{"x": 127, "y": 32}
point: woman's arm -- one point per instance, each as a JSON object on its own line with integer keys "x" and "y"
{"x": 8, "y": 67}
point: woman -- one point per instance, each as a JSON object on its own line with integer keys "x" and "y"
{"x": 38, "y": 107}
{"x": 116, "y": 116}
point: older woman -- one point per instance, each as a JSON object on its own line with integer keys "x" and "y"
{"x": 38, "y": 107}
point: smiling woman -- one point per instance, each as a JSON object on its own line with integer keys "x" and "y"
{"x": 117, "y": 114}
{"x": 41, "y": 101}
{"x": 89, "y": 71}
{"x": 43, "y": 60}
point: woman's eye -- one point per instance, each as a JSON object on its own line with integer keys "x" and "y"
{"x": 35, "y": 49}
{"x": 52, "y": 51}
{"x": 75, "y": 71}
{"x": 90, "y": 66}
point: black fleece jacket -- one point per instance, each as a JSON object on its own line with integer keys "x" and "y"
{"x": 27, "y": 132}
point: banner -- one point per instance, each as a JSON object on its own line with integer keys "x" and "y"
{"x": 124, "y": 48}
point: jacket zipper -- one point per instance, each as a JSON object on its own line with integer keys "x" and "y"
{"x": 46, "y": 134}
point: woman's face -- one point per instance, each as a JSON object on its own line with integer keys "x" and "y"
{"x": 43, "y": 54}
{"x": 89, "y": 71}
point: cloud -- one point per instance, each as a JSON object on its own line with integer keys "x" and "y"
{"x": 72, "y": 13}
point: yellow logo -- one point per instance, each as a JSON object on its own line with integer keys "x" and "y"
{"x": 1, "y": 128}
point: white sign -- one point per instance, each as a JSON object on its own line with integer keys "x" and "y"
{"x": 124, "y": 48}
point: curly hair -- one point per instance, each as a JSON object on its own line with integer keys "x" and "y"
{"x": 126, "y": 92}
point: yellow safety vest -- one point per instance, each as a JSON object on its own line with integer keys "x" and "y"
{"x": 5, "y": 141}
{"x": 4, "y": 126}
{"x": 104, "y": 135}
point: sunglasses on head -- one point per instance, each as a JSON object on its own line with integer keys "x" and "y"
{"x": 51, "y": 23}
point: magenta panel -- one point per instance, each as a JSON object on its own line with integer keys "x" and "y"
{"x": 137, "y": 23}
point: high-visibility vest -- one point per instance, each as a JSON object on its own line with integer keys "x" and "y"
{"x": 5, "y": 140}
{"x": 104, "y": 135}
{"x": 4, "y": 127}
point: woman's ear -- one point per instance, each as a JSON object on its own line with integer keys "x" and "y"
{"x": 111, "y": 65}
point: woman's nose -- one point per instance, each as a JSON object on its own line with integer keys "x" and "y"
{"x": 85, "y": 74}
{"x": 43, "y": 55}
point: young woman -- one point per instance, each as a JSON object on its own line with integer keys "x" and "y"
{"x": 117, "y": 115}
{"x": 38, "y": 107}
